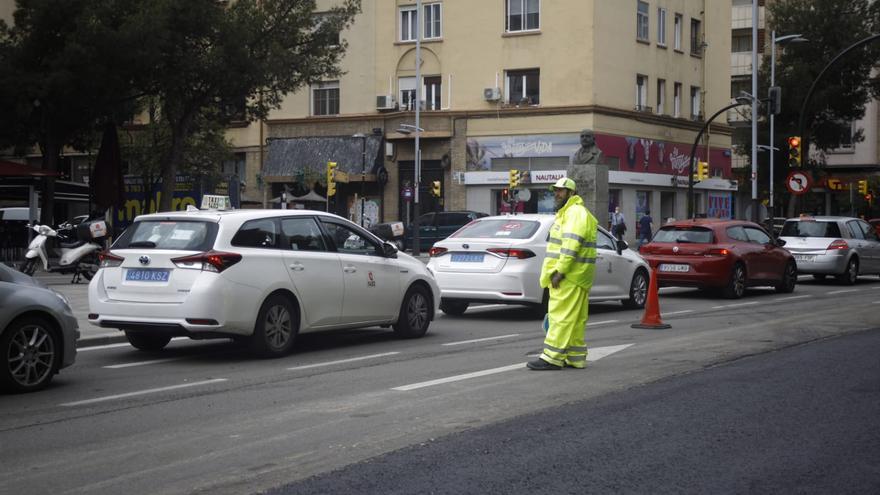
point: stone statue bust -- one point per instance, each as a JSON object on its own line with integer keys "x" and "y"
{"x": 588, "y": 153}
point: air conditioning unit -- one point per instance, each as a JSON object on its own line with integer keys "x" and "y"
{"x": 385, "y": 102}
{"x": 492, "y": 94}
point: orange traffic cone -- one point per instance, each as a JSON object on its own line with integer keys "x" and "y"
{"x": 651, "y": 319}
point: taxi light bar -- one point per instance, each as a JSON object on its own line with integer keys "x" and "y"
{"x": 512, "y": 253}
{"x": 210, "y": 261}
{"x": 106, "y": 259}
{"x": 838, "y": 244}
{"x": 436, "y": 251}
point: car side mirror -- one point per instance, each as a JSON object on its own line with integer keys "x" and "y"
{"x": 780, "y": 242}
{"x": 621, "y": 246}
{"x": 389, "y": 250}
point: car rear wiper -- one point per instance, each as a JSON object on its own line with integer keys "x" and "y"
{"x": 142, "y": 244}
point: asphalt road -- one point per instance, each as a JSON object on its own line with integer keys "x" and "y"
{"x": 802, "y": 420}
{"x": 205, "y": 417}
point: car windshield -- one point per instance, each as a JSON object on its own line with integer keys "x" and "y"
{"x": 697, "y": 235}
{"x": 500, "y": 228}
{"x": 810, "y": 228}
{"x": 181, "y": 235}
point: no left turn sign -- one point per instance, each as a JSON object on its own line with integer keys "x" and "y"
{"x": 798, "y": 182}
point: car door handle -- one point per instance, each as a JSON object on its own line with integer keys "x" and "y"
{"x": 349, "y": 269}
{"x": 297, "y": 267}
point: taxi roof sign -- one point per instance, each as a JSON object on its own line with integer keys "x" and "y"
{"x": 216, "y": 202}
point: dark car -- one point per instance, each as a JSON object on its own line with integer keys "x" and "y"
{"x": 437, "y": 226}
{"x": 729, "y": 255}
{"x": 38, "y": 332}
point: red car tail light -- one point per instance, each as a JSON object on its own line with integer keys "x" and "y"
{"x": 210, "y": 261}
{"x": 106, "y": 259}
{"x": 436, "y": 251}
{"x": 718, "y": 252}
{"x": 512, "y": 253}
{"x": 838, "y": 244}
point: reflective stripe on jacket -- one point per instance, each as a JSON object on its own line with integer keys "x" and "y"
{"x": 571, "y": 248}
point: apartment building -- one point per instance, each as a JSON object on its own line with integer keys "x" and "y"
{"x": 510, "y": 84}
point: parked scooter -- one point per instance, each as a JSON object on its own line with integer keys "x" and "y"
{"x": 66, "y": 250}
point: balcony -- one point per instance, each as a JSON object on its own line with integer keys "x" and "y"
{"x": 741, "y": 17}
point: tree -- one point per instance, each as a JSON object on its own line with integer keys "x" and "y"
{"x": 207, "y": 57}
{"x": 841, "y": 97}
{"x": 68, "y": 65}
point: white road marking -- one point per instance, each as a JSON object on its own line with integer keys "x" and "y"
{"x": 735, "y": 305}
{"x": 481, "y": 340}
{"x": 143, "y": 392}
{"x": 605, "y": 322}
{"x": 142, "y": 363}
{"x": 791, "y": 298}
{"x": 677, "y": 312}
{"x": 842, "y": 291}
{"x": 341, "y": 361}
{"x": 592, "y": 355}
{"x": 113, "y": 346}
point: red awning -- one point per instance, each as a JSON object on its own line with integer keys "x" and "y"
{"x": 12, "y": 169}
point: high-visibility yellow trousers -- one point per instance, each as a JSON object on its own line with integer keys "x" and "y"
{"x": 567, "y": 311}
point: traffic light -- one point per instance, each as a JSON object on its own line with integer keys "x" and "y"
{"x": 774, "y": 104}
{"x": 435, "y": 188}
{"x": 703, "y": 170}
{"x": 514, "y": 179}
{"x": 794, "y": 151}
{"x": 331, "y": 179}
{"x": 863, "y": 187}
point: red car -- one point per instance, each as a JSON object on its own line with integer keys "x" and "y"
{"x": 720, "y": 254}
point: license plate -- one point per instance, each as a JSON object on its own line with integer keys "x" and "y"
{"x": 666, "y": 267}
{"x": 804, "y": 257}
{"x": 141, "y": 275}
{"x": 468, "y": 258}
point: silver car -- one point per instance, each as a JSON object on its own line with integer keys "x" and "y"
{"x": 844, "y": 247}
{"x": 498, "y": 260}
{"x": 38, "y": 332}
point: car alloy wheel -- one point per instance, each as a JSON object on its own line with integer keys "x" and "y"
{"x": 737, "y": 284}
{"x": 851, "y": 274}
{"x": 276, "y": 329}
{"x": 789, "y": 279}
{"x": 278, "y": 326}
{"x": 31, "y": 355}
{"x": 413, "y": 319}
{"x": 638, "y": 291}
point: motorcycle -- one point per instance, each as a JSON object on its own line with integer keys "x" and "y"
{"x": 77, "y": 249}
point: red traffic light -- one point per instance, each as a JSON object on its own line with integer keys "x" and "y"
{"x": 794, "y": 142}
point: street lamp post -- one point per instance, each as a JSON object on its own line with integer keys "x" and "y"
{"x": 363, "y": 139}
{"x": 416, "y": 249}
{"x": 755, "y": 111}
{"x": 794, "y": 38}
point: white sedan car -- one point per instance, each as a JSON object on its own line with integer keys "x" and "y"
{"x": 498, "y": 260}
{"x": 257, "y": 276}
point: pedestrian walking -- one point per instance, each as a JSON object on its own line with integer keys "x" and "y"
{"x": 646, "y": 225}
{"x": 567, "y": 271}
{"x": 618, "y": 223}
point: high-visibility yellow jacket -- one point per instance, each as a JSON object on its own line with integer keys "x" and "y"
{"x": 571, "y": 248}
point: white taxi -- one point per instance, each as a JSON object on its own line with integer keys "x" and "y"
{"x": 257, "y": 276}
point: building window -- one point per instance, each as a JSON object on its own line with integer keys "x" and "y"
{"x": 322, "y": 18}
{"x": 846, "y": 132}
{"x": 642, "y": 20}
{"x": 696, "y": 42}
{"x": 523, "y": 87}
{"x": 661, "y": 26}
{"x": 661, "y": 96}
{"x": 695, "y": 103}
{"x": 408, "y": 26}
{"x": 741, "y": 40}
{"x": 676, "y": 42}
{"x": 432, "y": 21}
{"x": 676, "y": 100}
{"x": 432, "y": 92}
{"x": 641, "y": 92}
{"x": 325, "y": 98}
{"x": 522, "y": 15}
{"x": 406, "y": 92}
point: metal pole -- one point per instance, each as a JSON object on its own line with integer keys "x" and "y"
{"x": 772, "y": 118}
{"x": 363, "y": 177}
{"x": 416, "y": 249}
{"x": 755, "y": 216}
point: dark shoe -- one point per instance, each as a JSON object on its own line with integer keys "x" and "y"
{"x": 541, "y": 365}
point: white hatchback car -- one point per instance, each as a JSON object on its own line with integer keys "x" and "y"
{"x": 498, "y": 260}
{"x": 257, "y": 276}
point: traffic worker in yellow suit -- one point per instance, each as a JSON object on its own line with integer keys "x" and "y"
{"x": 568, "y": 271}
